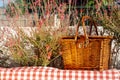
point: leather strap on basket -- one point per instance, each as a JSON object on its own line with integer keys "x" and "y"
{"x": 91, "y": 24}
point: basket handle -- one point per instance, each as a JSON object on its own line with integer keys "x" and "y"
{"x": 84, "y": 27}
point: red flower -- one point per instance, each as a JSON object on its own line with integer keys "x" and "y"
{"x": 10, "y": 43}
{"x": 49, "y": 55}
{"x": 37, "y": 2}
{"x": 62, "y": 17}
{"x": 70, "y": 1}
{"x": 47, "y": 48}
{"x": 81, "y": 10}
{"x": 60, "y": 53}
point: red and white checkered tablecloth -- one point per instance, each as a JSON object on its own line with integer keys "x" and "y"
{"x": 48, "y": 73}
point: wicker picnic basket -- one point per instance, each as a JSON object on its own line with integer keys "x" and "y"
{"x": 86, "y": 52}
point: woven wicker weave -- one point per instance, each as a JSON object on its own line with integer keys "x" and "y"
{"x": 86, "y": 52}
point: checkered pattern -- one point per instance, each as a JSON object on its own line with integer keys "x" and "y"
{"x": 47, "y": 73}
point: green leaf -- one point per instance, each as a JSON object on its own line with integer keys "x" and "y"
{"x": 105, "y": 2}
{"x": 90, "y": 4}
